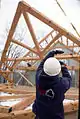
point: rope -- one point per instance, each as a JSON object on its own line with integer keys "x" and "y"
{"x": 67, "y": 17}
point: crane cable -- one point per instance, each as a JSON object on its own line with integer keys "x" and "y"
{"x": 67, "y": 17}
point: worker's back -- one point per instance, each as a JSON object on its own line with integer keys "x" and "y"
{"x": 49, "y": 107}
{"x": 50, "y": 89}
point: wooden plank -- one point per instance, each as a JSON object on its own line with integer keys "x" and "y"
{"x": 17, "y": 91}
{"x": 26, "y": 114}
{"x": 23, "y": 59}
{"x": 5, "y": 116}
{"x": 15, "y": 96}
{"x": 72, "y": 96}
{"x": 68, "y": 56}
{"x": 24, "y": 103}
{"x": 63, "y": 56}
{"x": 34, "y": 68}
{"x": 4, "y": 109}
{"x": 71, "y": 106}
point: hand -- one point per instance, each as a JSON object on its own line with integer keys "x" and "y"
{"x": 59, "y": 51}
{"x": 52, "y": 52}
{"x": 62, "y": 63}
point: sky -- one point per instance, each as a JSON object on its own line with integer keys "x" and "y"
{"x": 49, "y": 8}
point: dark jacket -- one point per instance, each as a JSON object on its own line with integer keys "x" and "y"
{"x": 46, "y": 107}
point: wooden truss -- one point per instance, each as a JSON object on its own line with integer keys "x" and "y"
{"x": 38, "y": 50}
{"x": 28, "y": 94}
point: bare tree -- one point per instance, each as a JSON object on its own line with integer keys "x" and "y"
{"x": 14, "y": 51}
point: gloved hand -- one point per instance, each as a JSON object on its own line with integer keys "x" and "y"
{"x": 59, "y": 51}
{"x": 62, "y": 63}
{"x": 53, "y": 52}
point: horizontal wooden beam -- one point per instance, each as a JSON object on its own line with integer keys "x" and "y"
{"x": 15, "y": 96}
{"x": 7, "y": 72}
{"x": 23, "y": 59}
{"x": 68, "y": 56}
{"x": 18, "y": 91}
{"x": 24, "y": 103}
{"x": 65, "y": 56}
{"x": 32, "y": 68}
{"x": 72, "y": 96}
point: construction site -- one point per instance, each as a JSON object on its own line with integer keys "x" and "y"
{"x": 19, "y": 61}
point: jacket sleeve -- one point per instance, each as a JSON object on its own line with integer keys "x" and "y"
{"x": 40, "y": 67}
{"x": 66, "y": 79}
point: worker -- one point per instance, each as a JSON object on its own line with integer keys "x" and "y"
{"x": 51, "y": 87}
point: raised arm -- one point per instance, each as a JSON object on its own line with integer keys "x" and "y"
{"x": 66, "y": 77}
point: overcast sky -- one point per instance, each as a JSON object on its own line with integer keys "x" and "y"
{"x": 47, "y": 7}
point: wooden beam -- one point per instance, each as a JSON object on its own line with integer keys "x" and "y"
{"x": 72, "y": 96}
{"x": 23, "y": 59}
{"x": 71, "y": 106}
{"x": 22, "y": 114}
{"x": 17, "y": 91}
{"x": 27, "y": 8}
{"x": 4, "y": 109}
{"x": 7, "y": 72}
{"x": 25, "y": 46}
{"x": 26, "y": 17}
{"x": 11, "y": 32}
{"x": 15, "y": 96}
{"x": 34, "y": 68}
{"x": 65, "y": 56}
{"x": 24, "y": 103}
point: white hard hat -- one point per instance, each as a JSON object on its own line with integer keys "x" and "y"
{"x": 52, "y": 66}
